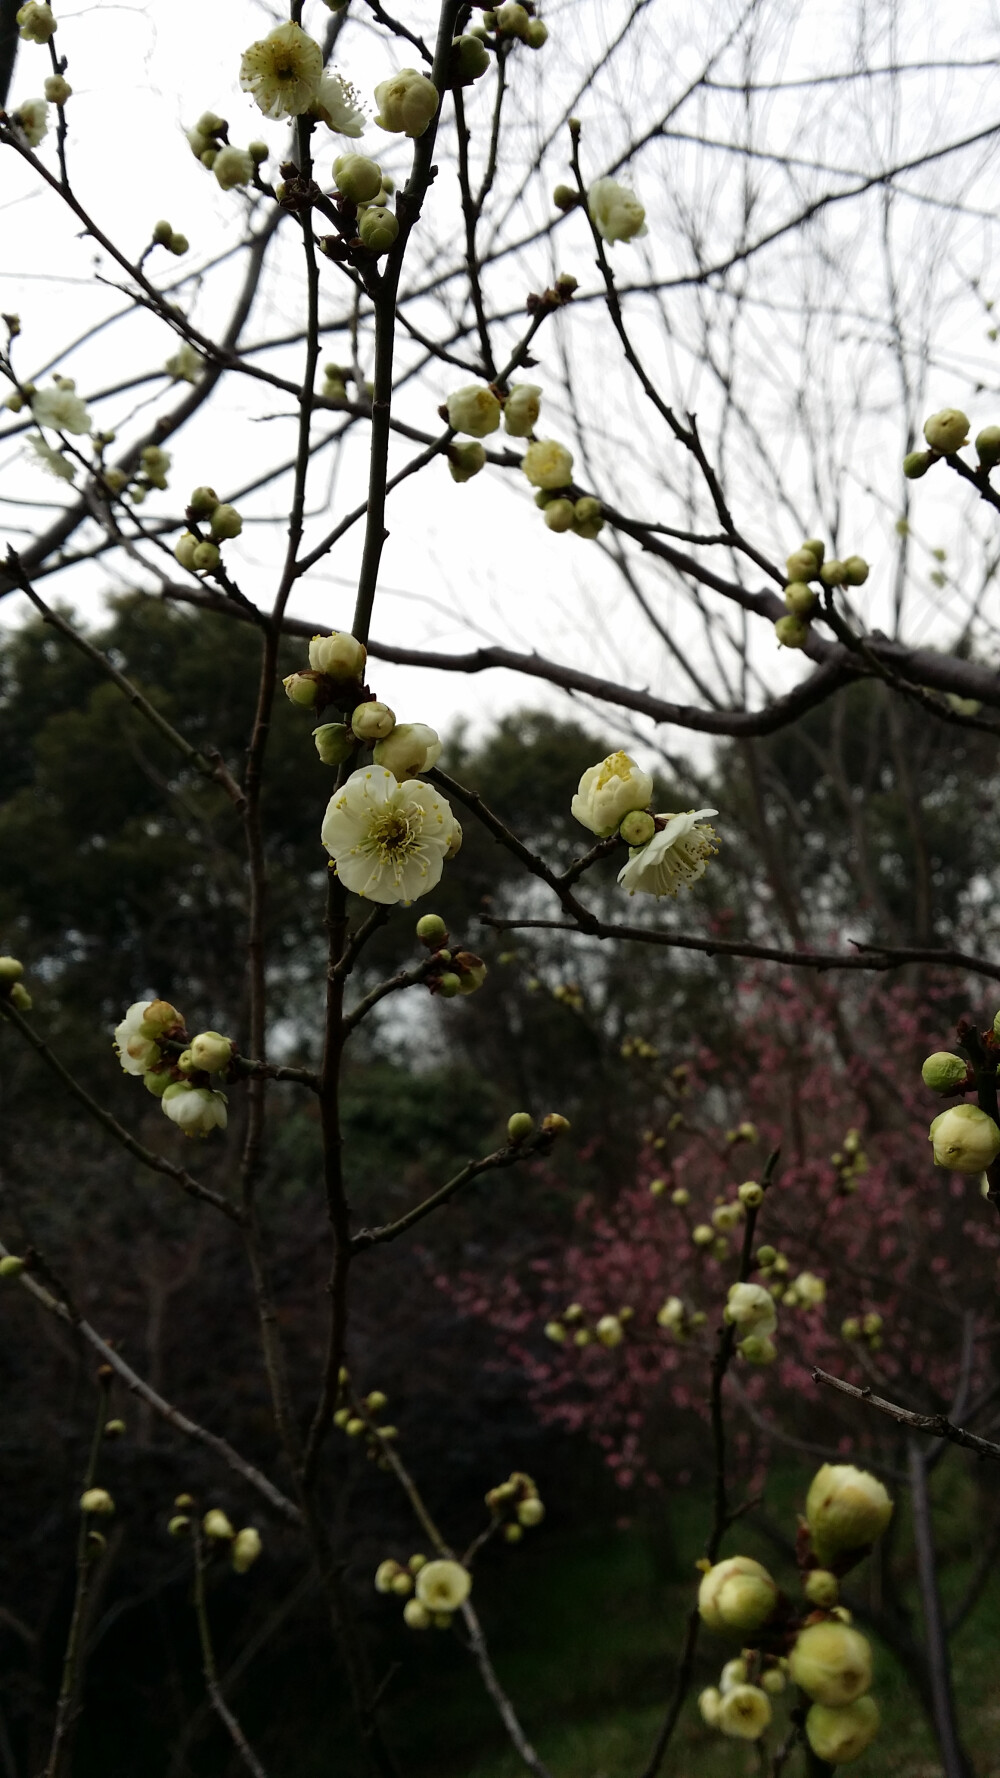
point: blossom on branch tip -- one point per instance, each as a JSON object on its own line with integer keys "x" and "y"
{"x": 406, "y": 103}
{"x": 388, "y": 840}
{"x": 615, "y": 211}
{"x": 282, "y": 72}
{"x": 609, "y": 791}
{"x": 338, "y": 105}
{"x": 195, "y": 1110}
{"x": 36, "y": 22}
{"x": 443, "y": 1585}
{"x": 675, "y": 857}
{"x": 965, "y": 1139}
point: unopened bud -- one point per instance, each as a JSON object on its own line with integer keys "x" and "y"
{"x": 947, "y": 431}
{"x": 226, "y": 521}
{"x": 373, "y": 721}
{"x": 791, "y": 631}
{"x": 555, "y": 1124}
{"x": 917, "y": 463}
{"x": 821, "y": 1588}
{"x": 334, "y": 742}
{"x": 751, "y": 1194}
{"x": 114, "y": 1428}
{"x": 565, "y": 198}
{"x": 637, "y": 828}
{"x": 519, "y": 1126}
{"x": 11, "y": 1266}
{"x": 944, "y": 1072}
{"x": 737, "y": 1594}
{"x": 831, "y": 1662}
{"x": 856, "y": 570}
{"x": 97, "y": 1500}
{"x": 799, "y": 598}
{"x": 359, "y": 178}
{"x": 205, "y": 556}
{"x": 177, "y": 1526}
{"x": 846, "y": 1510}
{"x": 246, "y": 1548}
{"x": 216, "y": 1525}
{"x": 988, "y": 446}
{"x": 465, "y": 459}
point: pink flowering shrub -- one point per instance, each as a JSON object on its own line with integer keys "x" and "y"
{"x": 831, "y": 1075}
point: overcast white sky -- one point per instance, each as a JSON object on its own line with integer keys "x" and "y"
{"x": 474, "y": 563}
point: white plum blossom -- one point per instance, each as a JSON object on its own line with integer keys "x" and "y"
{"x": 61, "y": 408}
{"x": 35, "y": 21}
{"x": 521, "y": 409}
{"x": 443, "y": 1585}
{"x": 136, "y": 1052}
{"x": 33, "y": 118}
{"x": 406, "y": 103}
{"x": 233, "y": 166}
{"x": 609, "y": 791}
{"x": 195, "y": 1110}
{"x": 55, "y": 462}
{"x": 615, "y": 211}
{"x": 751, "y": 1308}
{"x": 338, "y": 105}
{"x": 474, "y": 409}
{"x": 283, "y": 72}
{"x": 412, "y": 747}
{"x": 388, "y": 840}
{"x": 547, "y": 464}
{"x": 674, "y": 858}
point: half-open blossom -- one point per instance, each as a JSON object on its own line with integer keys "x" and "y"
{"x": 195, "y": 1110}
{"x": 35, "y": 21}
{"x": 406, "y": 103}
{"x": 547, "y": 464}
{"x": 55, "y": 462}
{"x": 136, "y": 1051}
{"x": 338, "y": 105}
{"x": 744, "y": 1712}
{"x": 412, "y": 747}
{"x": 283, "y": 71}
{"x": 32, "y": 116}
{"x": 615, "y": 211}
{"x": 675, "y": 857}
{"x": 737, "y": 1594}
{"x": 443, "y": 1585}
{"x": 609, "y": 791}
{"x": 388, "y": 840}
{"x": 61, "y": 408}
{"x": 751, "y": 1308}
{"x": 831, "y": 1662}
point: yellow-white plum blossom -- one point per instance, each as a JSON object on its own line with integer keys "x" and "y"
{"x": 547, "y": 464}
{"x": 338, "y": 105}
{"x": 751, "y": 1308}
{"x": 674, "y": 858}
{"x": 609, "y": 791}
{"x": 521, "y": 409}
{"x": 233, "y": 166}
{"x": 615, "y": 211}
{"x": 388, "y": 840}
{"x": 32, "y": 117}
{"x": 412, "y": 747}
{"x": 61, "y": 408}
{"x": 406, "y": 103}
{"x": 474, "y": 409}
{"x": 53, "y": 461}
{"x": 195, "y": 1110}
{"x": 283, "y": 71}
{"x": 965, "y": 1139}
{"x": 136, "y": 1050}
{"x": 443, "y": 1585}
{"x": 744, "y": 1712}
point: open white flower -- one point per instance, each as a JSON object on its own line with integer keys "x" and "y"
{"x": 338, "y": 105}
{"x": 55, "y": 462}
{"x": 195, "y": 1110}
{"x": 609, "y": 791}
{"x": 615, "y": 211}
{"x": 136, "y": 1052}
{"x": 675, "y": 857}
{"x": 61, "y": 408}
{"x": 33, "y": 118}
{"x": 443, "y": 1585}
{"x": 388, "y": 841}
{"x": 233, "y": 166}
{"x": 283, "y": 71}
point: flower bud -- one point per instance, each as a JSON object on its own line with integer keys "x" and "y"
{"x": 385, "y": 1574}
{"x": 203, "y": 503}
{"x": 547, "y": 464}
{"x": 733, "y": 1673}
{"x": 708, "y": 1703}
{"x": 178, "y": 244}
{"x": 57, "y": 90}
{"x": 773, "y": 1681}
{"x": 758, "y": 1349}
{"x": 178, "y": 1525}
{"x": 10, "y": 970}
{"x": 114, "y": 1428}
{"x": 839, "y": 1735}
{"x": 944, "y": 1072}
{"x": 185, "y": 547}
{"x": 211, "y": 1051}
{"x": 521, "y": 409}
{"x": 831, "y": 1662}
{"x": 565, "y": 198}
{"x": 751, "y": 1194}
{"x": 449, "y": 985}
{"x": 416, "y": 1616}
{"x": 406, "y": 103}
{"x": 737, "y": 1594}
{"x": 555, "y": 1124}
{"x": 588, "y": 520}
{"x": 821, "y": 1588}
{"x": 11, "y": 1266}
{"x": 637, "y": 828}
{"x": 470, "y": 58}
{"x": 680, "y": 1197}
{"x": 856, "y": 570}
{"x": 377, "y": 228}
{"x": 465, "y": 461}
{"x": 373, "y": 721}
{"x": 791, "y": 631}
{"x": 833, "y": 573}
{"x": 965, "y": 1139}
{"x": 232, "y": 167}
{"x": 205, "y": 556}
{"x": 36, "y": 22}
{"x": 744, "y": 1712}
{"x": 246, "y": 1548}
{"x": 799, "y": 598}
{"x": 917, "y": 463}
{"x": 726, "y": 1217}
{"x": 339, "y": 656}
{"x": 553, "y": 1330}
{"x": 226, "y": 521}
{"x": 803, "y": 564}
{"x": 431, "y": 930}
{"x": 411, "y": 748}
{"x": 947, "y": 431}
{"x": 357, "y": 177}
{"x": 537, "y": 34}
{"x": 216, "y": 1525}
{"x": 334, "y": 742}
{"x": 443, "y": 1585}
{"x": 703, "y": 1234}
{"x": 987, "y": 441}
{"x": 473, "y": 409}
{"x": 97, "y": 1500}
{"x": 846, "y": 1510}
{"x": 519, "y": 1126}
{"x": 609, "y": 1331}
{"x": 559, "y": 515}
{"x": 512, "y": 20}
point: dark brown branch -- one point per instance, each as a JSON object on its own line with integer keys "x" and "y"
{"x": 934, "y": 1425}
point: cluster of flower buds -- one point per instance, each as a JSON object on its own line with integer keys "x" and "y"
{"x": 513, "y": 22}
{"x": 864, "y": 1327}
{"x": 815, "y": 1645}
{"x": 364, "y": 191}
{"x": 608, "y": 1329}
{"x": 751, "y": 1312}
{"x": 209, "y": 143}
{"x": 966, "y": 1139}
{"x": 947, "y": 432}
{"x": 516, "y": 1506}
{"x": 569, "y": 994}
{"x": 452, "y": 972}
{"x": 165, "y": 235}
{"x": 804, "y": 565}
{"x": 194, "y": 549}
{"x": 438, "y": 1587}
{"x": 357, "y": 1417}
{"x": 151, "y": 1041}
{"x": 12, "y": 988}
{"x": 95, "y": 1503}
{"x": 850, "y": 1162}
{"x": 638, "y": 1047}
{"x": 153, "y": 473}
{"x": 220, "y": 1534}
{"x": 745, "y": 1132}
{"x": 680, "y": 1321}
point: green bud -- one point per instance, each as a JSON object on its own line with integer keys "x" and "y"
{"x": 799, "y": 598}
{"x": 205, "y": 556}
{"x": 431, "y": 930}
{"x": 11, "y": 970}
{"x": 791, "y": 631}
{"x": 359, "y": 178}
{"x": 803, "y": 564}
{"x": 184, "y": 549}
{"x": 559, "y": 515}
{"x": 226, "y": 521}
{"x": 157, "y": 1083}
{"x": 766, "y": 1256}
{"x": 162, "y": 234}
{"x": 114, "y": 1428}
{"x": 565, "y": 198}
{"x": 203, "y": 503}
{"x": 821, "y": 1588}
{"x": 947, "y": 431}
{"x": 302, "y": 688}
{"x": 944, "y": 1072}
{"x": 917, "y": 463}
{"x": 637, "y": 828}
{"x": 832, "y": 573}
{"x": 587, "y": 517}
{"x": 536, "y": 34}
{"x": 988, "y": 446}
{"x": 856, "y": 570}
{"x": 20, "y": 997}
{"x": 519, "y": 1126}
{"x": 817, "y": 548}
{"x": 839, "y": 1734}
{"x": 377, "y": 229}
{"x": 466, "y": 460}
{"x": 258, "y": 151}
{"x": 470, "y": 58}
{"x": 449, "y": 985}
{"x": 11, "y": 1266}
{"x": 178, "y": 244}
{"x": 334, "y": 742}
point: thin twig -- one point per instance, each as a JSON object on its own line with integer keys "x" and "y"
{"x": 935, "y": 1425}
